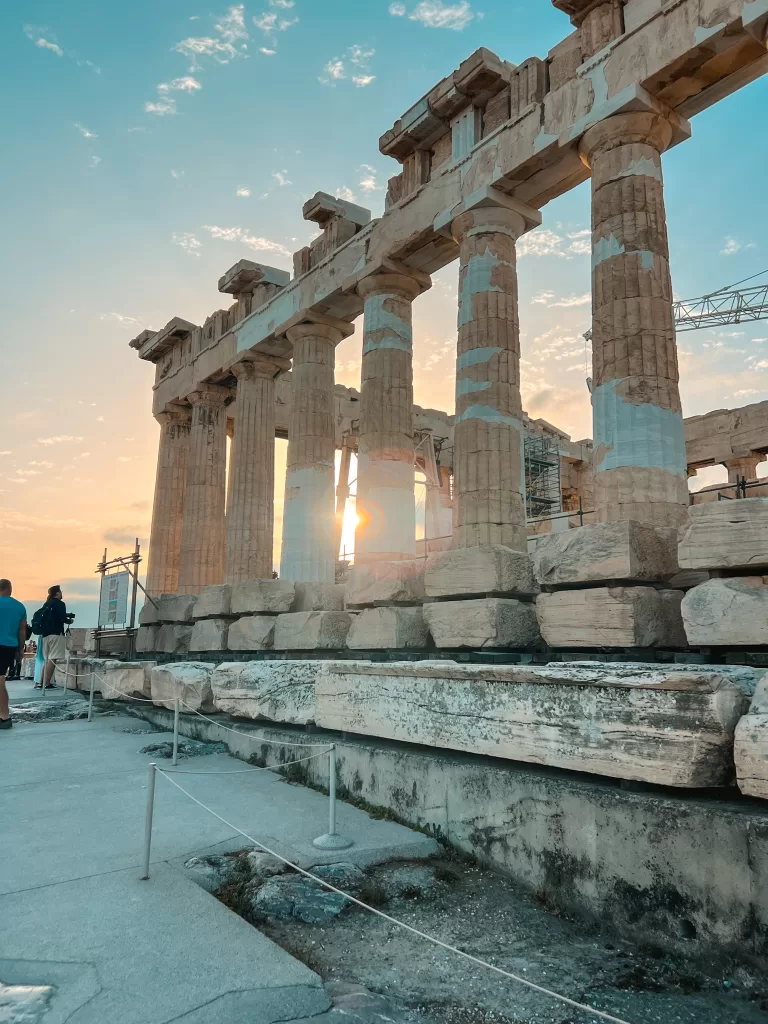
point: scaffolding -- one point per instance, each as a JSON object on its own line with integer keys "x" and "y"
{"x": 543, "y": 495}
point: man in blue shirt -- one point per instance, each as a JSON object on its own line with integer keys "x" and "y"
{"x": 13, "y": 635}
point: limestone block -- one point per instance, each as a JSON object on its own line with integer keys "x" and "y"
{"x": 189, "y": 680}
{"x": 209, "y": 635}
{"x": 213, "y": 602}
{"x": 661, "y": 726}
{"x": 173, "y": 638}
{"x": 281, "y": 691}
{"x": 491, "y": 569}
{"x": 252, "y": 633}
{"x": 725, "y": 535}
{"x": 386, "y": 582}
{"x": 146, "y": 639}
{"x": 259, "y": 596}
{"x": 750, "y": 750}
{"x": 624, "y": 550}
{"x": 377, "y": 628}
{"x": 612, "y": 617}
{"x": 727, "y": 611}
{"x": 170, "y": 608}
{"x": 489, "y": 622}
{"x": 131, "y": 678}
{"x": 318, "y": 597}
{"x": 311, "y": 630}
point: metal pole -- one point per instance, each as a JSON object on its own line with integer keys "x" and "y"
{"x": 134, "y": 594}
{"x": 332, "y": 840}
{"x": 581, "y": 512}
{"x": 90, "y": 698}
{"x": 148, "y": 818}
{"x": 176, "y": 705}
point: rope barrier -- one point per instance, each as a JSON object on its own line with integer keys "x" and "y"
{"x": 247, "y": 771}
{"x": 275, "y": 743}
{"x": 401, "y": 924}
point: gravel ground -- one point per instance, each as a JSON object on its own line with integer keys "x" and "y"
{"x": 488, "y": 916}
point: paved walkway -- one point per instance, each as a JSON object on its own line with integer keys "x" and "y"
{"x": 121, "y": 951}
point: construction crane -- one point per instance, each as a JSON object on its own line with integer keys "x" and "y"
{"x": 729, "y": 305}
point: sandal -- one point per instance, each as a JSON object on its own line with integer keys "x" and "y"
{"x": 38, "y": 686}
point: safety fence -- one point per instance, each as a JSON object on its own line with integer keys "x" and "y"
{"x": 330, "y": 841}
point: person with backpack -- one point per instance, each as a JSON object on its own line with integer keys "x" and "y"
{"x": 49, "y": 624}
{"x": 13, "y": 636}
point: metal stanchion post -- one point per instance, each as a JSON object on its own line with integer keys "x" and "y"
{"x": 90, "y": 699}
{"x": 176, "y": 705}
{"x": 148, "y": 818}
{"x": 332, "y": 840}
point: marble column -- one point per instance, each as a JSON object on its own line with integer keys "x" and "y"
{"x": 309, "y": 549}
{"x": 488, "y": 439}
{"x": 639, "y": 453}
{"x": 386, "y": 509}
{"x": 251, "y": 517}
{"x": 168, "y": 507}
{"x": 202, "y": 535}
{"x": 743, "y": 466}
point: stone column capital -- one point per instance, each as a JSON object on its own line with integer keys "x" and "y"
{"x": 490, "y": 210}
{"x": 311, "y": 319}
{"x": 211, "y": 394}
{"x": 388, "y": 274}
{"x": 318, "y": 332}
{"x": 387, "y": 283}
{"x": 180, "y": 415}
{"x": 489, "y": 220}
{"x": 637, "y": 127}
{"x": 257, "y": 365}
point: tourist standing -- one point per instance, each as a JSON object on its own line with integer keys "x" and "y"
{"x": 13, "y": 635}
{"x": 51, "y": 620}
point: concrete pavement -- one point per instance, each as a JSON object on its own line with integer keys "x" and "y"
{"x": 76, "y": 916}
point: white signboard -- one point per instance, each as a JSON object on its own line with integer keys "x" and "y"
{"x": 113, "y": 604}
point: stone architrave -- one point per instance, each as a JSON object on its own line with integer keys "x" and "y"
{"x": 488, "y": 425}
{"x": 639, "y": 445}
{"x": 488, "y": 622}
{"x": 190, "y": 681}
{"x": 612, "y": 617}
{"x": 168, "y": 507}
{"x": 202, "y": 535}
{"x": 621, "y": 550}
{"x": 309, "y": 515}
{"x": 251, "y": 512}
{"x": 386, "y": 507}
{"x": 727, "y": 612}
{"x": 667, "y": 727}
{"x": 726, "y": 535}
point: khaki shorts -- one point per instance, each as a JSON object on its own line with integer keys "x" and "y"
{"x": 54, "y": 648}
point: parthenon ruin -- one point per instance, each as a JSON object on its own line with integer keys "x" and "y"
{"x": 482, "y": 154}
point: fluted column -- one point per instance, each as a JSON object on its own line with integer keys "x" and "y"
{"x": 309, "y": 550}
{"x": 202, "y": 536}
{"x": 386, "y": 509}
{"x": 488, "y": 447}
{"x": 251, "y": 516}
{"x": 639, "y": 454}
{"x": 168, "y": 506}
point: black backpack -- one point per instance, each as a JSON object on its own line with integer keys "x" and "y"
{"x": 41, "y": 620}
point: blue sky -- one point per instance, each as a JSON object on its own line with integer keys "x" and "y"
{"x": 148, "y": 148}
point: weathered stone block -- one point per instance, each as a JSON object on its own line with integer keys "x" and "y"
{"x": 173, "y": 638}
{"x": 310, "y": 630}
{"x": 750, "y": 750}
{"x": 281, "y": 691}
{"x": 146, "y": 639}
{"x": 131, "y": 678}
{"x": 393, "y": 582}
{"x": 491, "y": 622}
{"x": 148, "y": 616}
{"x": 259, "y": 596}
{"x": 169, "y": 608}
{"x": 209, "y": 635}
{"x": 727, "y": 611}
{"x": 252, "y": 633}
{"x": 666, "y": 727}
{"x": 377, "y": 628}
{"x": 190, "y": 681}
{"x": 725, "y": 535}
{"x": 318, "y": 597}
{"x": 213, "y": 602}
{"x": 491, "y": 569}
{"x": 612, "y": 617}
{"x": 625, "y": 550}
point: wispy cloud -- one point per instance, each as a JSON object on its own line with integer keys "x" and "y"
{"x": 435, "y": 14}
{"x": 272, "y": 22}
{"x": 165, "y": 102}
{"x": 281, "y": 177}
{"x": 545, "y": 242}
{"x": 85, "y": 133}
{"x": 354, "y": 66}
{"x": 732, "y": 246}
{"x": 230, "y": 40}
{"x": 57, "y": 439}
{"x": 93, "y": 160}
{"x": 243, "y": 192}
{"x": 187, "y": 241}
{"x": 120, "y": 318}
{"x": 44, "y": 39}
{"x": 570, "y": 301}
{"x": 242, "y": 235}
{"x": 176, "y": 174}
{"x": 345, "y": 193}
{"x": 368, "y": 182}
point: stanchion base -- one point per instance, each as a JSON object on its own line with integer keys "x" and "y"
{"x": 332, "y": 841}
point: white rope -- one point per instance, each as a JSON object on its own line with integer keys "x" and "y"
{"x": 247, "y": 771}
{"x": 401, "y": 924}
{"x": 250, "y": 735}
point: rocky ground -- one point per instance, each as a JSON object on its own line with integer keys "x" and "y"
{"x": 380, "y": 974}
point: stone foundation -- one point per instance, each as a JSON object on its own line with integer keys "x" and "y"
{"x": 726, "y": 535}
{"x": 493, "y": 622}
{"x": 190, "y": 681}
{"x": 252, "y": 633}
{"x": 624, "y": 550}
{"x": 281, "y": 691}
{"x": 386, "y": 583}
{"x": 209, "y": 635}
{"x": 382, "y": 628}
{"x": 307, "y": 631}
{"x": 256, "y": 597}
{"x": 612, "y": 617}
{"x": 492, "y": 569}
{"x": 750, "y": 749}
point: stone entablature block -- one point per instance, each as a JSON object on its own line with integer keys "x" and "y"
{"x": 725, "y": 535}
{"x": 340, "y": 221}
{"x": 730, "y": 612}
{"x": 189, "y": 681}
{"x": 155, "y": 345}
{"x": 601, "y": 552}
{"x": 246, "y": 276}
{"x": 612, "y": 617}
